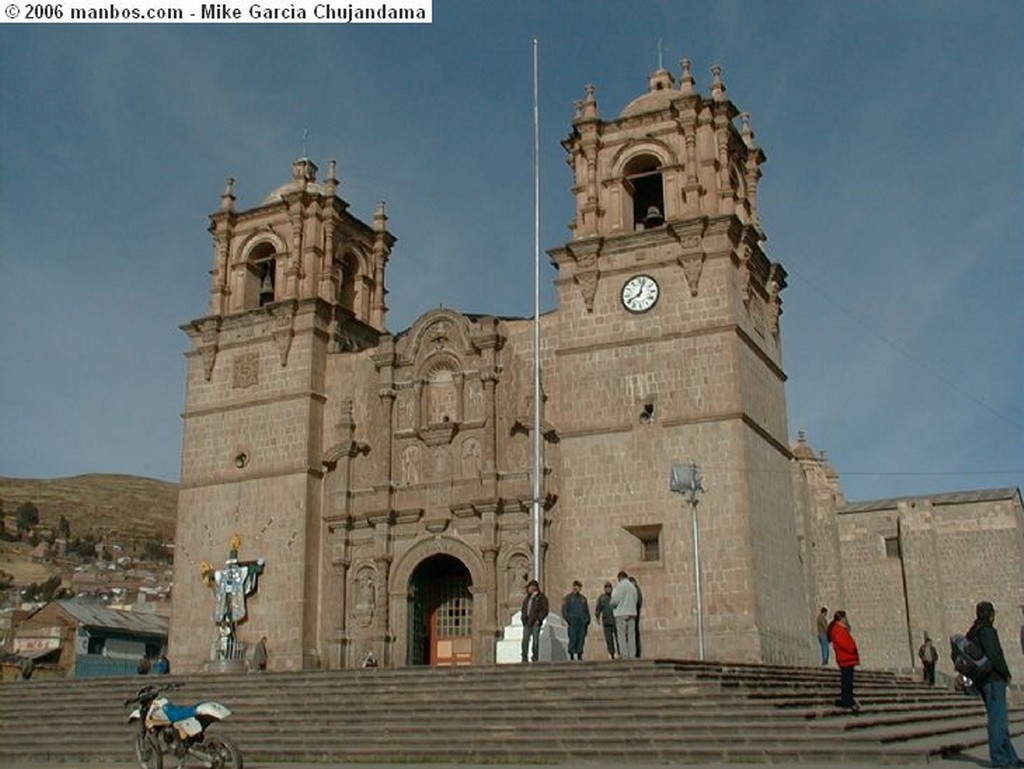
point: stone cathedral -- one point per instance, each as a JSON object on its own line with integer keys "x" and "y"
{"x": 386, "y": 478}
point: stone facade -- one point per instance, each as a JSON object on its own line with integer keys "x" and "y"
{"x": 908, "y": 566}
{"x": 386, "y": 478}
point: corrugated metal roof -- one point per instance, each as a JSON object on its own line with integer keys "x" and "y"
{"x": 95, "y": 615}
{"x": 947, "y": 498}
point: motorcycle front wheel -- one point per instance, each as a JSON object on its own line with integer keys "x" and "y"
{"x": 223, "y": 753}
{"x": 147, "y": 752}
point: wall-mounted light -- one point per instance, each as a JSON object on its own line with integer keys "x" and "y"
{"x": 241, "y": 460}
{"x": 647, "y": 415}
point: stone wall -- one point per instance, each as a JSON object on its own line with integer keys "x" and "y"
{"x": 954, "y": 550}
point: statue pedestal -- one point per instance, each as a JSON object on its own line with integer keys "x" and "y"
{"x": 225, "y": 666}
{"x": 554, "y": 641}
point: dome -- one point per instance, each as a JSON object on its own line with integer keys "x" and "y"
{"x": 303, "y": 180}
{"x": 802, "y": 450}
{"x": 661, "y": 91}
{"x": 278, "y": 194}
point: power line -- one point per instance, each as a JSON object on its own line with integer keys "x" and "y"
{"x": 871, "y": 473}
{"x": 937, "y": 374}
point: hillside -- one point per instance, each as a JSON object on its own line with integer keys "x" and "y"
{"x": 117, "y": 506}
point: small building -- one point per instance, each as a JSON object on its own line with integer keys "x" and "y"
{"x": 88, "y": 640}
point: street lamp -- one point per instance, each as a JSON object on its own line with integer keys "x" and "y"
{"x": 685, "y": 480}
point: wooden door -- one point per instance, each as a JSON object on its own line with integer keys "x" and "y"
{"x": 451, "y": 621}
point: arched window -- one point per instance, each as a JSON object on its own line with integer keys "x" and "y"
{"x": 261, "y": 278}
{"x": 349, "y": 272}
{"x": 644, "y": 189}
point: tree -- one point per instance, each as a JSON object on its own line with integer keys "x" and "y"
{"x": 84, "y": 547}
{"x": 28, "y": 516}
{"x": 155, "y": 550}
{"x": 63, "y": 528}
{"x": 44, "y": 591}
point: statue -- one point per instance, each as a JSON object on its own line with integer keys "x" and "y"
{"x": 231, "y": 586}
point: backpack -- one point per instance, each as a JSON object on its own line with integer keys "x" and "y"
{"x": 968, "y": 658}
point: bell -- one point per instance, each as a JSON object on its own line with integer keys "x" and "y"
{"x": 266, "y": 289}
{"x": 653, "y": 218}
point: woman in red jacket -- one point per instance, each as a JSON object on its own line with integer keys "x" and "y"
{"x": 846, "y": 657}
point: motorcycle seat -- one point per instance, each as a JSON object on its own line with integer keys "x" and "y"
{"x": 179, "y": 712}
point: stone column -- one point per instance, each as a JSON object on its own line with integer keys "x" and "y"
{"x": 338, "y": 639}
{"x": 383, "y": 637}
{"x": 488, "y": 598}
{"x": 489, "y": 471}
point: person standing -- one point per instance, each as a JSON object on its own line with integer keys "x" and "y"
{"x": 604, "y": 612}
{"x": 992, "y": 686}
{"x": 259, "y": 655}
{"x": 639, "y": 606}
{"x": 535, "y": 609}
{"x": 1022, "y": 631}
{"x": 576, "y": 613}
{"x": 823, "y": 634}
{"x": 846, "y": 657}
{"x": 624, "y": 605}
{"x": 162, "y": 666}
{"x": 928, "y": 656}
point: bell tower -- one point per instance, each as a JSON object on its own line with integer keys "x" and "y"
{"x": 669, "y": 351}
{"x": 300, "y": 243}
{"x": 671, "y": 156}
{"x": 295, "y": 280}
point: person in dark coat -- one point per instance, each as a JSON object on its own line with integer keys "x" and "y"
{"x": 576, "y": 613}
{"x": 928, "y": 656}
{"x": 847, "y": 658}
{"x": 993, "y": 686}
{"x": 639, "y": 606}
{"x": 535, "y": 609}
{"x": 604, "y": 612}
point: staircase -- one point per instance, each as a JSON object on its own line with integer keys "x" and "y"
{"x": 646, "y": 710}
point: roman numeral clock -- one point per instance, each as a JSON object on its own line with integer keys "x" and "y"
{"x": 640, "y": 293}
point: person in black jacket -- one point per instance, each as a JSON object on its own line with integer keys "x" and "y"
{"x": 576, "y": 613}
{"x": 535, "y": 609}
{"x": 604, "y": 612}
{"x": 993, "y": 687}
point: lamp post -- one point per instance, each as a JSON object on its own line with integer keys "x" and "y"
{"x": 685, "y": 480}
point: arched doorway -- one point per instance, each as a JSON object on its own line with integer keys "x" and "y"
{"x": 440, "y": 613}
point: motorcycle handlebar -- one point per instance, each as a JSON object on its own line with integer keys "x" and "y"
{"x": 150, "y": 689}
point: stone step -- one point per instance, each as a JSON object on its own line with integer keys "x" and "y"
{"x": 513, "y": 748}
{"x": 645, "y": 710}
{"x": 542, "y": 707}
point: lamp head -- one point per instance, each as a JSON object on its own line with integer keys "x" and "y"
{"x": 685, "y": 479}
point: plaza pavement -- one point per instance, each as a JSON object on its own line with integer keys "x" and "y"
{"x": 968, "y": 760}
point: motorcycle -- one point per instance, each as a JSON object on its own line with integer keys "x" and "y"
{"x": 178, "y": 731}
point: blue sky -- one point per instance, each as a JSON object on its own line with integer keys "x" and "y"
{"x": 892, "y": 195}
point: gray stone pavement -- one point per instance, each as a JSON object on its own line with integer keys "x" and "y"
{"x": 968, "y": 760}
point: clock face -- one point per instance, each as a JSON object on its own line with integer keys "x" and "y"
{"x": 640, "y": 293}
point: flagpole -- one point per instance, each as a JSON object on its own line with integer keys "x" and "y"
{"x": 537, "y": 464}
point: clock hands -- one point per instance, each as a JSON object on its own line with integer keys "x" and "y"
{"x": 639, "y": 293}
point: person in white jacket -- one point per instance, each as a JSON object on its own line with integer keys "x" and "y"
{"x": 624, "y": 606}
